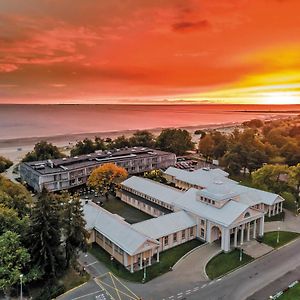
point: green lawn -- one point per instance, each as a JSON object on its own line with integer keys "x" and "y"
{"x": 292, "y": 293}
{"x": 225, "y": 262}
{"x": 167, "y": 259}
{"x": 129, "y": 213}
{"x": 279, "y": 217}
{"x": 270, "y": 238}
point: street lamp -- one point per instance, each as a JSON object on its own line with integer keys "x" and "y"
{"x": 145, "y": 266}
{"x": 278, "y": 234}
{"x": 21, "y": 290}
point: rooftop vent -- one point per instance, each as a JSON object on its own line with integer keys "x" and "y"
{"x": 89, "y": 155}
{"x": 206, "y": 169}
{"x": 75, "y": 156}
{"x": 218, "y": 182}
{"x": 50, "y": 163}
{"x": 64, "y": 158}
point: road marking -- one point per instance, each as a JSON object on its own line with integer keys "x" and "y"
{"x": 188, "y": 291}
{"x": 94, "y": 262}
{"x": 203, "y": 286}
{"x": 171, "y": 297}
{"x": 219, "y": 279}
{"x": 179, "y": 294}
{"x": 211, "y": 282}
{"x": 178, "y": 297}
{"x": 196, "y": 288}
{"x": 86, "y": 295}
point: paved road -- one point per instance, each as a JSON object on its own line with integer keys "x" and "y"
{"x": 238, "y": 285}
{"x": 244, "y": 282}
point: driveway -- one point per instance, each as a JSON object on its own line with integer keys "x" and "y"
{"x": 291, "y": 223}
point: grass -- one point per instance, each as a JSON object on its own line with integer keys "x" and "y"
{"x": 292, "y": 293}
{"x": 270, "y": 238}
{"x": 279, "y": 217}
{"x": 225, "y": 262}
{"x": 72, "y": 279}
{"x": 129, "y": 213}
{"x": 167, "y": 259}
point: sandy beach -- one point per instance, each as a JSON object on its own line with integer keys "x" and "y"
{"x": 15, "y": 149}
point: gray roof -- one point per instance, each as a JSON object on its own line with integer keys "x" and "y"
{"x": 116, "y": 229}
{"x": 61, "y": 165}
{"x": 224, "y": 215}
{"x": 165, "y": 225}
{"x": 201, "y": 177}
{"x": 153, "y": 189}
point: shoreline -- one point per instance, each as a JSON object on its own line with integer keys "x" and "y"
{"x": 16, "y": 148}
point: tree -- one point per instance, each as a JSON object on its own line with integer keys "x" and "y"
{"x": 121, "y": 142}
{"x": 200, "y": 132}
{"x": 83, "y": 147}
{"x": 10, "y": 221}
{"x": 294, "y": 179}
{"x": 73, "y": 228}
{"x": 45, "y": 234}
{"x": 106, "y": 177}
{"x": 4, "y": 164}
{"x": 15, "y": 196}
{"x": 206, "y": 146}
{"x": 255, "y": 123}
{"x": 43, "y": 151}
{"x": 142, "y": 138}
{"x": 99, "y": 143}
{"x": 13, "y": 261}
{"x": 269, "y": 178}
{"x": 156, "y": 175}
{"x": 177, "y": 141}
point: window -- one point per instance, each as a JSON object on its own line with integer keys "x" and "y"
{"x": 202, "y": 232}
{"x": 213, "y": 202}
{"x": 202, "y": 222}
{"x": 191, "y": 231}
{"x": 166, "y": 240}
{"x": 183, "y": 234}
{"x": 247, "y": 215}
{"x": 175, "y": 237}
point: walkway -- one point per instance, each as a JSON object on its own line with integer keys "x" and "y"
{"x": 291, "y": 223}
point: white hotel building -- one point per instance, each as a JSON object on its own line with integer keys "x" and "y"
{"x": 206, "y": 205}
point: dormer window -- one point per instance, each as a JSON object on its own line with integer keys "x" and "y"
{"x": 247, "y": 215}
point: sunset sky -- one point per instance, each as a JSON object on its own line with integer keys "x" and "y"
{"x": 150, "y": 51}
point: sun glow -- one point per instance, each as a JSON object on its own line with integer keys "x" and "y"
{"x": 281, "y": 98}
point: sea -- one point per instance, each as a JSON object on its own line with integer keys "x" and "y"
{"x": 24, "y": 121}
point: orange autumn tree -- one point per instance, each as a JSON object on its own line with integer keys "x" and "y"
{"x": 106, "y": 177}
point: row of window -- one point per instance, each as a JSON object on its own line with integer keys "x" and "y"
{"x": 207, "y": 200}
{"x": 175, "y": 236}
{"x": 109, "y": 243}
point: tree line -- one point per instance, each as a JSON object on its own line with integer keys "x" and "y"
{"x": 258, "y": 143}
{"x": 177, "y": 141}
{"x": 39, "y": 239}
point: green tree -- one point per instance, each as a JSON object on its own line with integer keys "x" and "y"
{"x": 106, "y": 177}
{"x": 43, "y": 151}
{"x": 206, "y": 146}
{"x": 269, "y": 178}
{"x": 4, "y": 164}
{"x": 73, "y": 228}
{"x": 178, "y": 141}
{"x": 14, "y": 259}
{"x": 156, "y": 175}
{"x": 99, "y": 143}
{"x": 15, "y": 196}
{"x": 121, "y": 142}
{"x": 294, "y": 179}
{"x": 10, "y": 221}
{"x": 83, "y": 147}
{"x": 45, "y": 234}
{"x": 143, "y": 138}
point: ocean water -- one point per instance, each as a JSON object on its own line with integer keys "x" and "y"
{"x": 20, "y": 121}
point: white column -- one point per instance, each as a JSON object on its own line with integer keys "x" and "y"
{"x": 208, "y": 231}
{"x": 274, "y": 210}
{"x": 157, "y": 257}
{"x": 235, "y": 236}
{"x": 131, "y": 264}
{"x": 150, "y": 260}
{"x": 281, "y": 206}
{"x": 248, "y": 232}
{"x": 261, "y": 226}
{"x": 242, "y": 234}
{"x": 141, "y": 261}
{"x": 277, "y": 208}
{"x": 225, "y": 239}
{"x": 269, "y": 211}
{"x": 254, "y": 230}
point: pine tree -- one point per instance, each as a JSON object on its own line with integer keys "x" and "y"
{"x": 45, "y": 234}
{"x": 74, "y": 228}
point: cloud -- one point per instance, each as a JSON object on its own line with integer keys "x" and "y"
{"x": 7, "y": 68}
{"x": 186, "y": 26}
